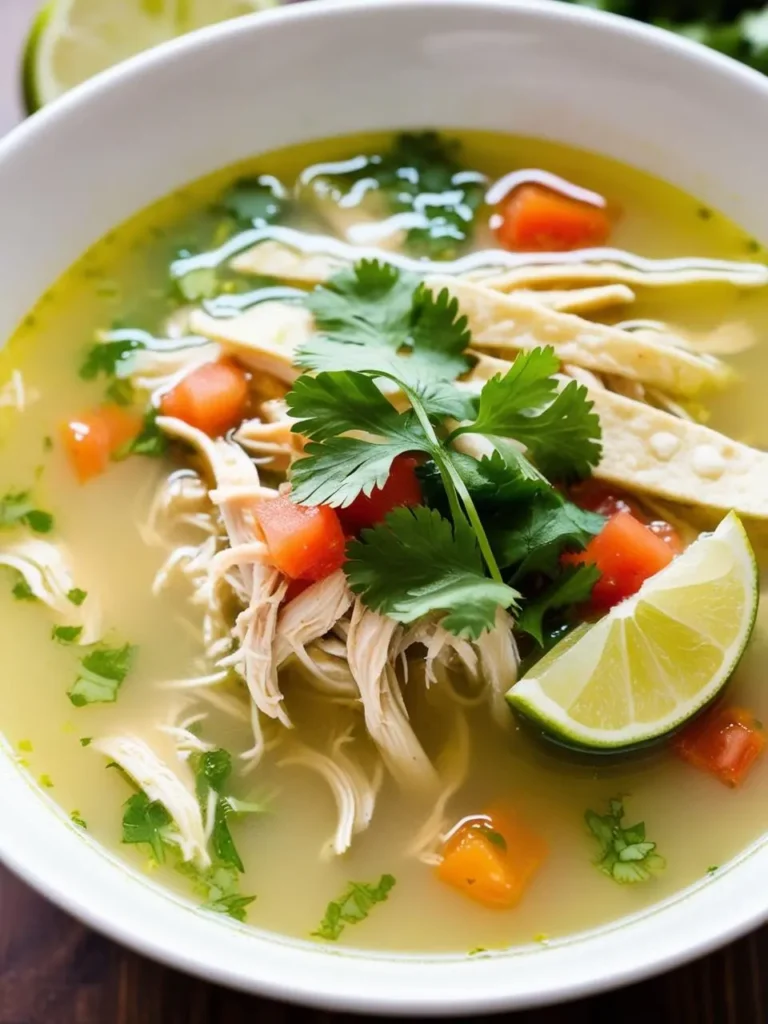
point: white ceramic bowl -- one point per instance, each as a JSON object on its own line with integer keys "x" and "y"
{"x": 116, "y": 144}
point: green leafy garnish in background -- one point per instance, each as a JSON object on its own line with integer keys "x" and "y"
{"x": 625, "y": 854}
{"x": 147, "y": 821}
{"x": 66, "y": 634}
{"x": 353, "y": 906}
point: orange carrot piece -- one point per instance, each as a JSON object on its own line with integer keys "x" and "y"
{"x": 305, "y": 542}
{"x": 538, "y": 219}
{"x": 213, "y": 398}
{"x": 91, "y": 439}
{"x": 492, "y": 858}
{"x": 725, "y": 742}
{"x": 627, "y": 553}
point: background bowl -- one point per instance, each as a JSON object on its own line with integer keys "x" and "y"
{"x": 116, "y": 144}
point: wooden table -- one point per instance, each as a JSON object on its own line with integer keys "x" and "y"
{"x": 55, "y": 971}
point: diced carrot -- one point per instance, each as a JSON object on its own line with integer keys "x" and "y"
{"x": 492, "y": 858}
{"x": 538, "y": 219}
{"x": 725, "y": 742}
{"x": 305, "y": 542}
{"x": 212, "y": 398}
{"x": 401, "y": 488}
{"x": 627, "y": 553}
{"x": 91, "y": 439}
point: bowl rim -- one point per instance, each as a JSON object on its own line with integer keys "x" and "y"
{"x": 376, "y": 982}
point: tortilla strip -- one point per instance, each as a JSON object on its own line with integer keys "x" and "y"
{"x": 646, "y": 449}
{"x": 559, "y": 275}
{"x": 579, "y": 300}
{"x": 264, "y": 338}
{"x": 503, "y": 323}
{"x": 273, "y": 259}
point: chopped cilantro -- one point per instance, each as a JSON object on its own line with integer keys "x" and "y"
{"x": 534, "y": 539}
{"x": 421, "y": 175}
{"x": 66, "y": 634}
{"x": 573, "y": 586}
{"x": 218, "y": 888}
{"x": 256, "y": 201}
{"x": 121, "y": 392}
{"x": 495, "y": 837}
{"x": 46, "y": 781}
{"x": 85, "y": 741}
{"x": 713, "y": 869}
{"x": 146, "y": 821}
{"x": 353, "y": 906}
{"x": 625, "y": 854}
{"x": 150, "y": 441}
{"x": 77, "y": 596}
{"x": 477, "y": 950}
{"x": 48, "y": 443}
{"x": 22, "y": 591}
{"x": 417, "y": 562}
{"x": 199, "y": 283}
{"x": 102, "y": 671}
{"x": 104, "y": 358}
{"x": 78, "y": 820}
{"x": 212, "y": 771}
{"x": 16, "y": 508}
{"x": 25, "y": 746}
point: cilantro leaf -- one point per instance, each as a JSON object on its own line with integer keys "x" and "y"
{"x": 534, "y": 540}
{"x": 104, "y": 357}
{"x": 625, "y": 854}
{"x": 353, "y": 906}
{"x": 417, "y": 562}
{"x": 375, "y": 317}
{"x": 77, "y": 596}
{"x": 16, "y": 508}
{"x": 121, "y": 392}
{"x": 336, "y": 469}
{"x": 573, "y": 586}
{"x": 559, "y": 428}
{"x": 146, "y": 821}
{"x": 66, "y": 634}
{"x": 102, "y": 672}
{"x": 150, "y": 440}
{"x": 255, "y": 201}
{"x": 22, "y": 591}
{"x": 198, "y": 283}
{"x": 218, "y": 886}
{"x": 212, "y": 770}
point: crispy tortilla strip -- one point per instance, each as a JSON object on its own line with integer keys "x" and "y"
{"x": 575, "y": 274}
{"x": 264, "y": 338}
{"x": 503, "y": 323}
{"x": 726, "y": 339}
{"x": 646, "y": 449}
{"x": 580, "y": 300}
{"x": 274, "y": 259}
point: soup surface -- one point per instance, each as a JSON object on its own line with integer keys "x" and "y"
{"x": 144, "y": 552}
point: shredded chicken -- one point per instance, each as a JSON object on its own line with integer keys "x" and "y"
{"x": 173, "y": 789}
{"x": 44, "y": 566}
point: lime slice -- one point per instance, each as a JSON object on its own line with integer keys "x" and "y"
{"x": 71, "y": 40}
{"x": 657, "y": 657}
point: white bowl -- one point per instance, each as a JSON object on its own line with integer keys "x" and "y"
{"x": 114, "y": 145}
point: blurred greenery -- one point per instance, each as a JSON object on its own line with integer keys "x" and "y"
{"x": 736, "y": 29}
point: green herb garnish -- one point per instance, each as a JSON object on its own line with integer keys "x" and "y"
{"x": 17, "y": 508}
{"x": 218, "y": 887}
{"x": 66, "y": 634}
{"x": 78, "y": 820}
{"x": 626, "y": 856}
{"x": 150, "y": 441}
{"x": 85, "y": 741}
{"x": 76, "y": 596}
{"x": 212, "y": 771}
{"x": 353, "y": 906}
{"x": 572, "y": 587}
{"x": 22, "y": 591}
{"x": 104, "y": 358}
{"x": 102, "y": 672}
{"x": 256, "y": 201}
{"x": 147, "y": 821}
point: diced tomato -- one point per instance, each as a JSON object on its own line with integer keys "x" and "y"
{"x": 294, "y": 589}
{"x": 212, "y": 398}
{"x": 538, "y": 219}
{"x": 401, "y": 488}
{"x": 492, "y": 858}
{"x": 724, "y": 741}
{"x": 595, "y": 496}
{"x": 627, "y": 553}
{"x": 91, "y": 439}
{"x": 305, "y": 542}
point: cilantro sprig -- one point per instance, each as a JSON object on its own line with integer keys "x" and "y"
{"x": 626, "y": 856}
{"x": 102, "y": 672}
{"x": 385, "y": 334}
{"x": 353, "y": 906}
{"x": 18, "y": 509}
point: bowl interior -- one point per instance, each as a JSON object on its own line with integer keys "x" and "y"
{"x": 117, "y": 143}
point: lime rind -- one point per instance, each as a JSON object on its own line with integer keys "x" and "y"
{"x": 578, "y": 655}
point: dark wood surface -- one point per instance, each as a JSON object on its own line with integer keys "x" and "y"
{"x": 55, "y": 971}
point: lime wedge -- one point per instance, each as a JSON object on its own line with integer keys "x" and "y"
{"x": 657, "y": 657}
{"x": 71, "y": 40}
